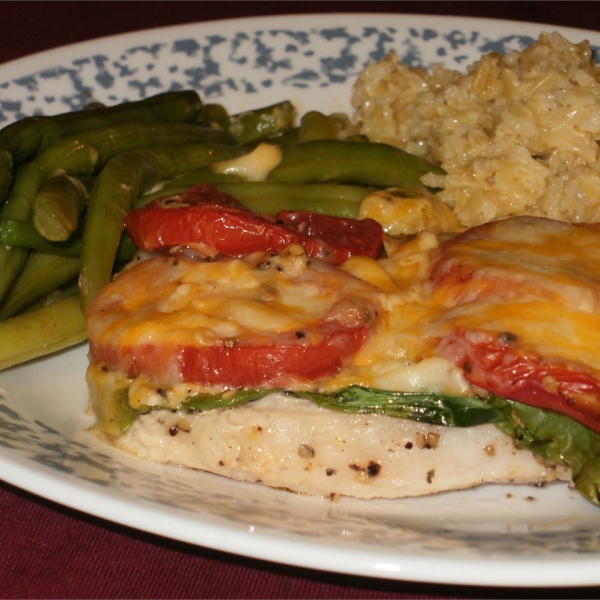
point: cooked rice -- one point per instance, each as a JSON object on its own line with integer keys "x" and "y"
{"x": 517, "y": 134}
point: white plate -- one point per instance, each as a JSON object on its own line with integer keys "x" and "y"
{"x": 495, "y": 535}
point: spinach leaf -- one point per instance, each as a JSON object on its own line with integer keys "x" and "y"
{"x": 437, "y": 409}
{"x": 558, "y": 438}
{"x": 227, "y": 399}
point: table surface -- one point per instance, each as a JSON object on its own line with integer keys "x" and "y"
{"x": 52, "y": 552}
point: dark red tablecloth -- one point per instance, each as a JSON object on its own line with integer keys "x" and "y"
{"x": 52, "y": 552}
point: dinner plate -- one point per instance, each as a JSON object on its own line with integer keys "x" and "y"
{"x": 494, "y": 535}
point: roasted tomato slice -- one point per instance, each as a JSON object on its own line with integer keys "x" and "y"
{"x": 215, "y": 223}
{"x": 499, "y": 367}
{"x": 518, "y": 306}
{"x": 264, "y": 320}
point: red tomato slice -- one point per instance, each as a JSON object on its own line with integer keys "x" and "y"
{"x": 502, "y": 369}
{"x": 220, "y": 225}
{"x": 262, "y": 320}
{"x": 242, "y": 366}
{"x": 335, "y": 239}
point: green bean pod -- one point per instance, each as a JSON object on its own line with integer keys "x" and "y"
{"x": 270, "y": 197}
{"x": 22, "y": 234}
{"x": 33, "y": 334}
{"x": 84, "y": 153}
{"x": 26, "y": 138}
{"x": 314, "y": 125}
{"x": 254, "y": 125}
{"x": 66, "y": 291}
{"x": 284, "y": 138}
{"x": 57, "y": 206}
{"x": 181, "y": 106}
{"x": 216, "y": 116}
{"x": 74, "y": 156}
{"x": 41, "y": 273}
{"x": 18, "y": 205}
{"x": 364, "y": 163}
{"x": 30, "y": 136}
{"x": 335, "y": 200}
{"x": 204, "y": 174}
{"x": 123, "y": 179}
{"x": 328, "y": 161}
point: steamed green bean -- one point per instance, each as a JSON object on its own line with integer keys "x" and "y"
{"x": 270, "y": 197}
{"x": 367, "y": 163}
{"x": 315, "y": 125}
{"x": 23, "y": 234}
{"x": 41, "y": 273}
{"x": 256, "y": 125}
{"x": 57, "y": 206}
{"x": 33, "y": 334}
{"x": 6, "y": 167}
{"x": 28, "y": 137}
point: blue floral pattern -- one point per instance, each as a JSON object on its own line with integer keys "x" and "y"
{"x": 248, "y": 62}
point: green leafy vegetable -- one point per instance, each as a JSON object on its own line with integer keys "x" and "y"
{"x": 558, "y": 438}
{"x": 437, "y": 409}
{"x": 226, "y": 400}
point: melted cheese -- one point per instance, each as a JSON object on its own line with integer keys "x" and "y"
{"x": 271, "y": 294}
{"x": 253, "y": 166}
{"x": 537, "y": 279}
{"x": 164, "y": 304}
{"x": 401, "y": 215}
{"x": 534, "y": 278}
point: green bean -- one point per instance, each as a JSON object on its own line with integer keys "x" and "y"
{"x": 253, "y": 164}
{"x": 364, "y": 163}
{"x": 216, "y": 115}
{"x": 270, "y": 197}
{"x": 41, "y": 273}
{"x": 118, "y": 185}
{"x": 71, "y": 288}
{"x": 57, "y": 206}
{"x": 17, "y": 206}
{"x": 71, "y": 155}
{"x": 256, "y": 125}
{"x": 285, "y": 137}
{"x": 204, "y": 174}
{"x": 315, "y": 125}
{"x": 182, "y": 106}
{"x": 81, "y": 154}
{"x": 28, "y": 137}
{"x": 34, "y": 334}
{"x": 22, "y": 234}
{"x": 330, "y": 161}
{"x": 84, "y": 153}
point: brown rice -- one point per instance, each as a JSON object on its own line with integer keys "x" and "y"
{"x": 517, "y": 134}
